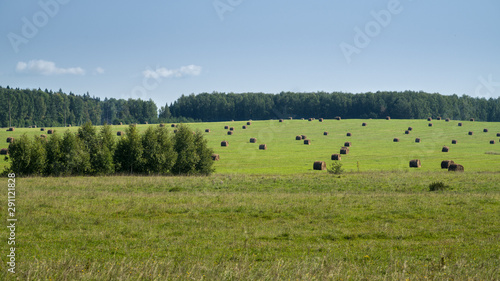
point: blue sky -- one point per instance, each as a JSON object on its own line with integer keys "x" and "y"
{"x": 163, "y": 49}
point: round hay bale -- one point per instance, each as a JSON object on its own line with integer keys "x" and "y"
{"x": 226, "y": 127}
{"x": 460, "y": 124}
{"x": 121, "y": 123}
{"x": 262, "y": 147}
{"x": 215, "y": 157}
{"x": 4, "y": 151}
{"x": 472, "y": 119}
{"x": 453, "y": 141}
{"x": 146, "y": 123}
{"x": 429, "y": 119}
{"x": 29, "y": 127}
{"x": 471, "y": 133}
{"x": 244, "y": 127}
{"x": 298, "y": 138}
{"x": 229, "y": 133}
{"x": 439, "y": 118}
{"x": 207, "y": 130}
{"x": 320, "y": 119}
{"x": 290, "y": 118}
{"x": 43, "y": 136}
{"x": 338, "y": 118}
{"x": 50, "y": 131}
{"x": 69, "y": 125}
{"x": 336, "y": 157}
{"x": 325, "y": 133}
{"x": 10, "y": 139}
{"x": 224, "y": 143}
{"x": 231, "y": 128}
{"x": 455, "y": 168}
{"x": 11, "y": 129}
{"x": 310, "y": 119}
{"x": 162, "y": 125}
{"x": 410, "y": 128}
{"x": 344, "y": 150}
{"x": 445, "y": 149}
{"x": 319, "y": 165}
{"x": 34, "y": 126}
{"x": 173, "y": 126}
{"x": 447, "y": 120}
{"x": 348, "y": 134}
{"x": 249, "y": 123}
{"x": 281, "y": 120}
{"x": 498, "y": 134}
{"x": 407, "y": 132}
{"x": 446, "y": 163}
{"x": 388, "y": 118}
{"x": 42, "y": 129}
{"x": 492, "y": 141}
{"x": 307, "y": 142}
{"x": 363, "y": 124}
{"x": 303, "y": 137}
{"x": 120, "y": 133}
{"x": 418, "y": 140}
{"x": 395, "y": 140}
{"x": 232, "y": 120}
{"x": 253, "y": 140}
{"x": 347, "y": 144}
{"x": 485, "y": 130}
{"x": 415, "y": 163}
{"x": 302, "y": 119}
{"x": 430, "y": 125}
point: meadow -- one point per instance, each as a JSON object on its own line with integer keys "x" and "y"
{"x": 266, "y": 215}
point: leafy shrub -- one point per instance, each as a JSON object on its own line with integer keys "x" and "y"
{"x": 435, "y": 186}
{"x": 335, "y": 168}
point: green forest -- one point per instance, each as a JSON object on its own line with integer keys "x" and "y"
{"x": 25, "y": 107}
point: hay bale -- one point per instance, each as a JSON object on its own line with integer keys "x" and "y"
{"x": 320, "y": 119}
{"x": 410, "y": 128}
{"x": 244, "y": 127}
{"x": 447, "y": 120}
{"x": 302, "y": 119}
{"x": 215, "y": 157}
{"x": 10, "y": 139}
{"x": 363, "y": 124}
{"x": 492, "y": 141}
{"x": 253, "y": 140}
{"x": 162, "y": 125}
{"x": 121, "y": 123}
{"x": 418, "y": 140}
{"x": 407, "y": 132}
{"x": 249, "y": 123}
{"x": 336, "y": 157}
{"x": 34, "y": 126}
{"x": 4, "y": 151}
{"x": 472, "y": 119}
{"x": 445, "y": 149}
{"x": 344, "y": 150}
{"x": 42, "y": 129}
{"x": 325, "y": 133}
{"x": 429, "y": 119}
{"x": 319, "y": 165}
{"x": 146, "y": 123}
{"x": 229, "y": 133}
{"x": 415, "y": 163}
{"x": 455, "y": 168}
{"x": 120, "y": 133}
{"x": 430, "y": 125}
{"x": 485, "y": 130}
{"x": 453, "y": 141}
{"x": 338, "y": 118}
{"x": 50, "y": 131}
{"x": 388, "y": 118}
{"x": 439, "y": 118}
{"x": 290, "y": 118}
{"x": 310, "y": 119}
{"x": 395, "y": 140}
{"x": 281, "y": 120}
{"x": 471, "y": 133}
{"x": 307, "y": 142}
{"x": 29, "y": 127}
{"x": 232, "y": 120}
{"x": 298, "y": 137}
{"x": 207, "y": 130}
{"x": 69, "y": 125}
{"x": 303, "y": 137}
{"x": 173, "y": 126}
{"x": 347, "y": 144}
{"x": 226, "y": 127}
{"x": 11, "y": 129}
{"x": 498, "y": 134}
{"x": 348, "y": 134}
{"x": 446, "y": 163}
{"x": 224, "y": 143}
{"x": 231, "y": 128}
{"x": 262, "y": 147}
{"x": 43, "y": 136}
{"x": 460, "y": 124}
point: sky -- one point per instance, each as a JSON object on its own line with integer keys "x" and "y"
{"x": 161, "y": 50}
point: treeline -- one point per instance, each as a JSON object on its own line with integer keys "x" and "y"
{"x": 88, "y": 152}
{"x": 399, "y": 105}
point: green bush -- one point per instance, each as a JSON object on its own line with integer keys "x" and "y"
{"x": 335, "y": 168}
{"x": 435, "y": 186}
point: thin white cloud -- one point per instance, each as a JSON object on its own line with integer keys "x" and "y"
{"x": 189, "y": 70}
{"x": 46, "y": 68}
{"x": 99, "y": 70}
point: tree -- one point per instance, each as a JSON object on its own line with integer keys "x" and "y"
{"x": 205, "y": 163}
{"x": 77, "y": 158}
{"x": 158, "y": 152}
{"x": 55, "y": 156}
{"x": 184, "y": 145}
{"x": 27, "y": 157}
{"x": 128, "y": 154}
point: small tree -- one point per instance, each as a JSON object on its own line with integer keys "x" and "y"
{"x": 158, "y": 153}
{"x": 128, "y": 154}
{"x": 77, "y": 158}
{"x": 103, "y": 160}
{"x": 55, "y": 157}
{"x": 205, "y": 163}
{"x": 27, "y": 157}
{"x": 187, "y": 158}
{"x": 335, "y": 168}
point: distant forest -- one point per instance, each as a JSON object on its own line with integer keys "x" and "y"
{"x": 25, "y": 107}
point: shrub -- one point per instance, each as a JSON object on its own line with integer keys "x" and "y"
{"x": 335, "y": 168}
{"x": 435, "y": 186}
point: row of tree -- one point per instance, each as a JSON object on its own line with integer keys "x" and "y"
{"x": 89, "y": 152}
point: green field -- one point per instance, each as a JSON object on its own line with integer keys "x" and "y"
{"x": 266, "y": 215}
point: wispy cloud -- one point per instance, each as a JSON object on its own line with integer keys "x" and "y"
{"x": 46, "y": 68}
{"x": 189, "y": 70}
{"x": 99, "y": 70}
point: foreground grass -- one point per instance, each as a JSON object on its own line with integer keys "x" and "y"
{"x": 376, "y": 226}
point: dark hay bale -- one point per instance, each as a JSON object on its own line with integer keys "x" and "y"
{"x": 453, "y": 141}
{"x": 42, "y": 129}
{"x": 485, "y": 130}
{"x": 492, "y": 141}
{"x": 4, "y": 151}
{"x": 430, "y": 124}
{"x": 244, "y": 127}
{"x": 146, "y": 123}
{"x": 347, "y": 144}
{"x": 455, "y": 168}
{"x": 281, "y": 120}
{"x": 319, "y": 165}
{"x": 229, "y": 132}
{"x": 325, "y": 133}
{"x": 173, "y": 126}
{"x": 231, "y": 128}
{"x": 29, "y": 127}
{"x": 472, "y": 119}
{"x": 310, "y": 119}
{"x": 50, "y": 131}
{"x": 418, "y": 140}
{"x": 207, "y": 130}
{"x": 395, "y": 140}
{"x": 415, "y": 163}
{"x": 471, "y": 133}
{"x": 307, "y": 142}
{"x": 121, "y": 123}
{"x": 338, "y": 118}
{"x": 226, "y": 127}
{"x": 447, "y": 120}
{"x": 445, "y": 149}
{"x": 439, "y": 118}
{"x": 336, "y": 157}
{"x": 498, "y": 134}
{"x": 162, "y": 125}
{"x": 253, "y": 140}
{"x": 344, "y": 150}
{"x": 348, "y": 134}
{"x": 43, "y": 136}
{"x": 460, "y": 124}
{"x": 120, "y": 133}
{"x": 410, "y": 128}
{"x": 215, "y": 157}
{"x": 387, "y": 118}
{"x": 298, "y": 138}
{"x": 10, "y": 139}
{"x": 303, "y": 137}
{"x": 302, "y": 119}
{"x": 232, "y": 120}
{"x": 249, "y": 123}
{"x": 262, "y": 147}
{"x": 11, "y": 129}
{"x": 69, "y": 125}
{"x": 224, "y": 143}
{"x": 290, "y": 118}
{"x": 34, "y": 126}
{"x": 364, "y": 124}
{"x": 446, "y": 163}
{"x": 429, "y": 119}
{"x": 407, "y": 132}
{"x": 320, "y": 119}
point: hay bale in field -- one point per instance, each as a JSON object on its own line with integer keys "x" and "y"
{"x": 4, "y": 151}
{"x": 347, "y": 144}
{"x": 407, "y": 132}
{"x": 492, "y": 141}
{"x": 121, "y": 123}
{"x": 262, "y": 147}
{"x": 302, "y": 119}
{"x": 281, "y": 120}
{"x": 415, "y": 163}
{"x": 348, "y": 134}
{"x": 445, "y": 149}
{"x": 446, "y": 163}
{"x": 453, "y": 141}
{"x": 325, "y": 133}
{"x": 162, "y": 125}
{"x": 120, "y": 133}
{"x": 173, "y": 126}
{"x": 224, "y": 143}
{"x": 290, "y": 118}
{"x": 472, "y": 119}
{"x": 338, "y": 118}
{"x": 498, "y": 134}
{"x": 43, "y": 136}
{"x": 363, "y": 124}
{"x": 34, "y": 126}
{"x": 232, "y": 120}
{"x": 10, "y": 139}
{"x": 146, "y": 123}
{"x": 215, "y": 157}
{"x": 229, "y": 133}
{"x": 253, "y": 140}
{"x": 307, "y": 142}
{"x": 11, "y": 129}
{"x": 388, "y": 118}
{"x": 471, "y": 133}
{"x": 319, "y": 165}
{"x": 207, "y": 130}
{"x": 447, "y": 120}
{"x": 430, "y": 125}
{"x": 418, "y": 140}
{"x": 29, "y": 127}
{"x": 460, "y": 124}
{"x": 310, "y": 119}
{"x": 231, "y": 128}
{"x": 249, "y": 123}
{"x": 395, "y": 140}
{"x": 410, "y": 128}
{"x": 455, "y": 168}
{"x": 485, "y": 130}
{"x": 320, "y": 119}
{"x": 244, "y": 127}
{"x": 69, "y": 125}
{"x": 42, "y": 129}
{"x": 336, "y": 157}
{"x": 429, "y": 119}
{"x": 226, "y": 127}
{"x": 439, "y": 118}
{"x": 50, "y": 131}
{"x": 303, "y": 137}
{"x": 298, "y": 138}
{"x": 344, "y": 150}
